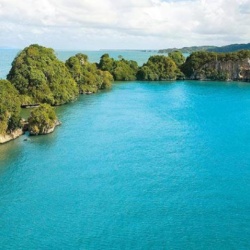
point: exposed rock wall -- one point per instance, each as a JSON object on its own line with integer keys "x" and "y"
{"x": 224, "y": 70}
{"x": 46, "y": 129}
{"x": 11, "y": 136}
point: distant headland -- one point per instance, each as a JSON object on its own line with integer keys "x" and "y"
{"x": 222, "y": 49}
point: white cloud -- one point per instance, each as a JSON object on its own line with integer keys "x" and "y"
{"x": 123, "y": 23}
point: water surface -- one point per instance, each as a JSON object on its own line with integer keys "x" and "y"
{"x": 160, "y": 165}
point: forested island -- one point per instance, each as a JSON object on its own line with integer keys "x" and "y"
{"x": 222, "y": 49}
{"x": 37, "y": 78}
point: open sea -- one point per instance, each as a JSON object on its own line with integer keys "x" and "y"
{"x": 146, "y": 165}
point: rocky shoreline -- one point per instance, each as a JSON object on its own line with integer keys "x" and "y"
{"x": 46, "y": 130}
{"x": 19, "y": 132}
{"x": 229, "y": 70}
{"x": 13, "y": 135}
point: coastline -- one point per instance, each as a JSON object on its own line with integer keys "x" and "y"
{"x": 9, "y": 137}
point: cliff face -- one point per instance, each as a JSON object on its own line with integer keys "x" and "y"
{"x": 44, "y": 130}
{"x": 11, "y": 136}
{"x": 224, "y": 70}
{"x": 18, "y": 132}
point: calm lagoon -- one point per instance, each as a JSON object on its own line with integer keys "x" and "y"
{"x": 161, "y": 165}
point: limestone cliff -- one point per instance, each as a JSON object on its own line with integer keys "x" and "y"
{"x": 224, "y": 70}
{"x": 11, "y": 136}
{"x": 43, "y": 130}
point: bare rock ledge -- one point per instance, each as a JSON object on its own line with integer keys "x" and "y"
{"x": 9, "y": 137}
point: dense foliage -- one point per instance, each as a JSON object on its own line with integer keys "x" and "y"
{"x": 195, "y": 62}
{"x": 9, "y": 107}
{"x": 86, "y": 74}
{"x": 159, "y": 68}
{"x": 177, "y": 57}
{"x": 121, "y": 70}
{"x": 37, "y": 76}
{"x": 42, "y": 119}
{"x": 41, "y": 78}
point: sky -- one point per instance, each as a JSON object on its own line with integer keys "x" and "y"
{"x": 123, "y": 24}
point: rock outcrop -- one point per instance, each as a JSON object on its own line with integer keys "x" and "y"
{"x": 45, "y": 129}
{"x": 224, "y": 70}
{"x": 42, "y": 120}
{"x": 11, "y": 136}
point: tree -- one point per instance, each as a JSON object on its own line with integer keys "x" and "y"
{"x": 38, "y": 74}
{"x": 159, "y": 68}
{"x": 87, "y": 76}
{"x": 121, "y": 70}
{"x": 9, "y": 108}
{"x": 42, "y": 120}
{"x": 196, "y": 60}
{"x": 177, "y": 57}
{"x": 106, "y": 63}
{"x": 212, "y": 65}
{"x": 125, "y": 70}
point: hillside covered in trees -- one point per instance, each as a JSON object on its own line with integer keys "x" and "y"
{"x": 121, "y": 70}
{"x": 38, "y": 78}
{"x": 88, "y": 77}
{"x": 10, "y": 107}
{"x": 42, "y": 120}
{"x": 159, "y": 68}
{"x": 218, "y": 66}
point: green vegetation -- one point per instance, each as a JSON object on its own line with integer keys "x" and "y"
{"x": 187, "y": 49}
{"x": 9, "y": 108}
{"x": 222, "y": 49}
{"x": 121, "y": 70}
{"x": 42, "y": 120}
{"x": 86, "y": 74}
{"x": 177, "y": 57}
{"x": 159, "y": 68}
{"x": 196, "y": 60}
{"x": 38, "y": 77}
{"x": 204, "y": 63}
{"x": 41, "y": 78}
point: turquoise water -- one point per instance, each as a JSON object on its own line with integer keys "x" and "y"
{"x": 6, "y": 58}
{"x": 143, "y": 166}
